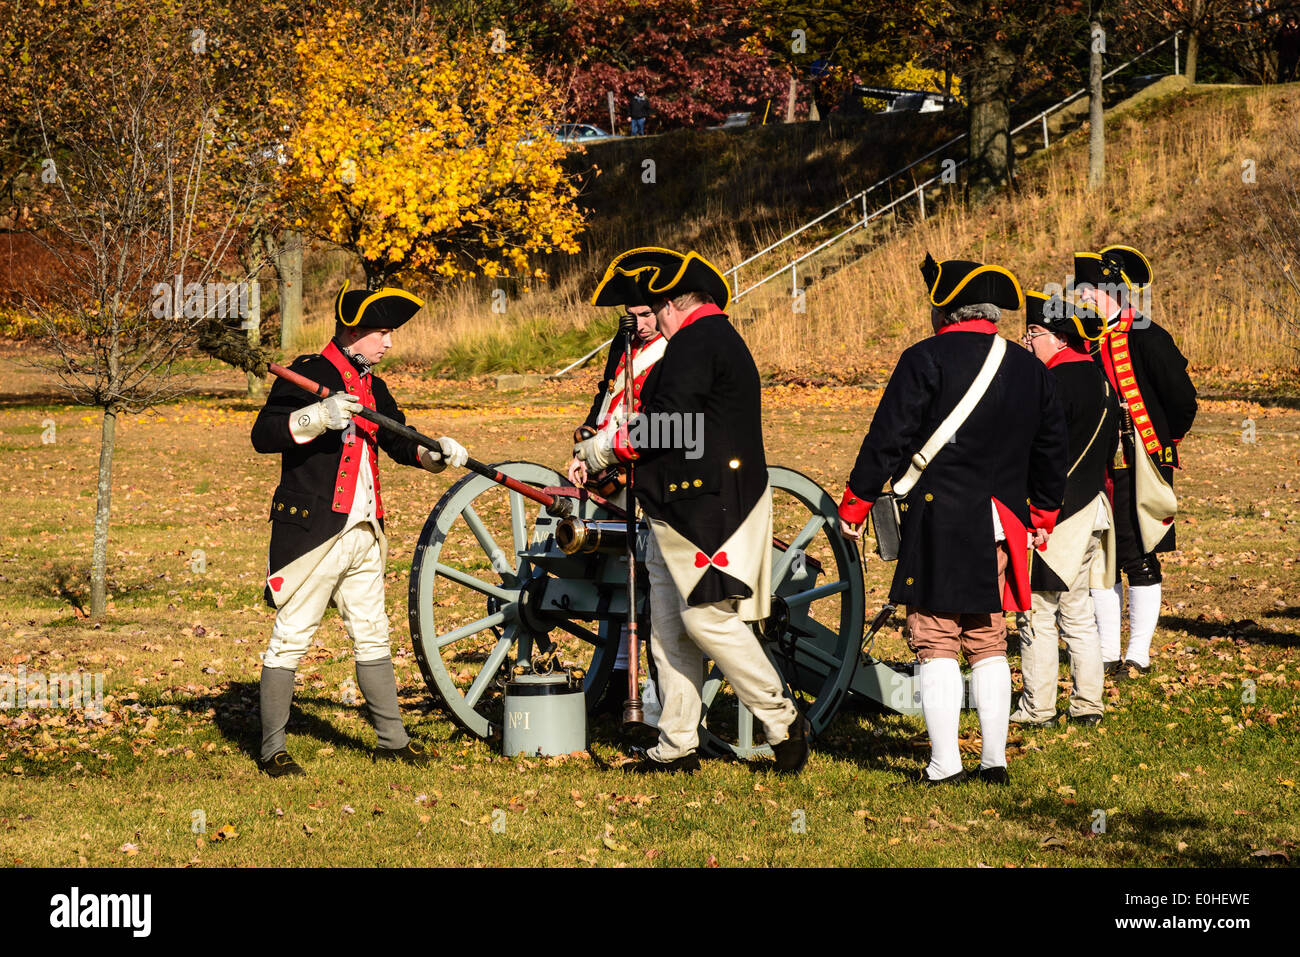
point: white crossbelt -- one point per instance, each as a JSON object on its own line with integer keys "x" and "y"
{"x": 948, "y": 428}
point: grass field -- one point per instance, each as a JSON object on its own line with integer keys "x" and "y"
{"x": 1187, "y": 769}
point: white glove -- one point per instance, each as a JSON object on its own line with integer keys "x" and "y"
{"x": 453, "y": 453}
{"x": 333, "y": 413}
{"x": 597, "y": 451}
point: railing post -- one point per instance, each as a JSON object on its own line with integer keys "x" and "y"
{"x": 1175, "y": 53}
{"x": 920, "y": 196}
{"x": 1045, "y": 144}
{"x": 794, "y": 280}
{"x": 864, "y": 209}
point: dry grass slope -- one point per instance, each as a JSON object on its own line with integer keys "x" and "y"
{"x": 1174, "y": 190}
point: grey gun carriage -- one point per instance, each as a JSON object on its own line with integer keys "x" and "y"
{"x": 499, "y": 581}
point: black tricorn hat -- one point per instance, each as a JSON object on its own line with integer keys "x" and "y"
{"x": 1059, "y": 317}
{"x": 639, "y": 275}
{"x": 384, "y": 308}
{"x": 959, "y": 282}
{"x": 1105, "y": 268}
{"x": 1136, "y": 266}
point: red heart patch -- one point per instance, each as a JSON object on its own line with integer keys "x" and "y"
{"x": 720, "y": 559}
{"x": 275, "y": 583}
{"x": 701, "y": 559}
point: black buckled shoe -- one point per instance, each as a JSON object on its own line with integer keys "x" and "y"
{"x": 686, "y": 764}
{"x": 1087, "y": 720}
{"x": 792, "y": 753}
{"x": 1131, "y": 666}
{"x": 996, "y": 775}
{"x": 1112, "y": 668}
{"x": 958, "y": 778}
{"x": 413, "y": 752}
{"x": 279, "y": 765}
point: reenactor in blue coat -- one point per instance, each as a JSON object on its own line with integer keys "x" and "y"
{"x": 701, "y": 478}
{"x": 973, "y": 509}
{"x": 1157, "y": 407}
{"x": 327, "y": 517}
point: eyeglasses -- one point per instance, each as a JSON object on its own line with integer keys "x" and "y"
{"x": 1027, "y": 340}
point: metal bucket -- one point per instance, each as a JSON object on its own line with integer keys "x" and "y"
{"x": 545, "y": 715}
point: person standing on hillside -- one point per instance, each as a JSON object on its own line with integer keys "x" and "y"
{"x": 1157, "y": 407}
{"x": 607, "y": 416}
{"x": 709, "y": 507}
{"x": 327, "y": 517}
{"x": 638, "y": 112}
{"x": 981, "y": 481}
{"x": 1081, "y": 551}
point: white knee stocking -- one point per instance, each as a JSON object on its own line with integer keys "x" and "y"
{"x": 941, "y": 695}
{"x": 1106, "y": 603}
{"x": 990, "y": 685}
{"x": 1143, "y": 614}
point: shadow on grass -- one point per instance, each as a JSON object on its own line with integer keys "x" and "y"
{"x": 1158, "y": 833}
{"x": 237, "y": 718}
{"x": 1246, "y": 629}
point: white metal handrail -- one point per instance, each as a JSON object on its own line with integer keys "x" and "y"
{"x": 917, "y": 191}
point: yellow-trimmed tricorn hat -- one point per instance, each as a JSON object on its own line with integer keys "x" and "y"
{"x": 1059, "y": 316}
{"x": 640, "y": 275}
{"x": 385, "y": 308}
{"x": 954, "y": 283}
{"x": 1136, "y": 266}
{"x": 1105, "y": 268}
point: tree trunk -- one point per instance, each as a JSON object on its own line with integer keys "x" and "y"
{"x": 1193, "y": 46}
{"x": 290, "y": 272}
{"x": 990, "y": 150}
{"x": 104, "y": 494}
{"x": 1096, "y": 116}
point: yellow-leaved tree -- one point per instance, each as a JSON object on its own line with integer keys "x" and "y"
{"x": 425, "y": 154}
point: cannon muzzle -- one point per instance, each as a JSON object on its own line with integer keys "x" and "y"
{"x": 577, "y": 536}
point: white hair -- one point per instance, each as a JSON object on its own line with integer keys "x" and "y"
{"x": 976, "y": 310}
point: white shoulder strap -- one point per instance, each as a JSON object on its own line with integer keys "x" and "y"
{"x": 948, "y": 428}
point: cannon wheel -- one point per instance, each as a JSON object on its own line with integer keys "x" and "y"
{"x": 466, "y": 561}
{"x": 814, "y": 634}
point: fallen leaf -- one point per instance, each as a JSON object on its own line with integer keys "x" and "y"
{"x": 712, "y": 862}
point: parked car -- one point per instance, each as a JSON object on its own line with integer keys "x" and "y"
{"x": 581, "y": 133}
{"x": 733, "y": 121}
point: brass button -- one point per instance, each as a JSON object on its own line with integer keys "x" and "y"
{"x": 340, "y": 488}
{"x": 293, "y": 510}
{"x": 672, "y": 486}
{"x": 697, "y": 483}
{"x": 929, "y": 497}
{"x": 304, "y": 513}
{"x": 279, "y": 506}
{"x": 909, "y": 581}
{"x": 734, "y": 463}
{"x": 344, "y": 474}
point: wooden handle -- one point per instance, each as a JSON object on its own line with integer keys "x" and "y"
{"x": 392, "y": 425}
